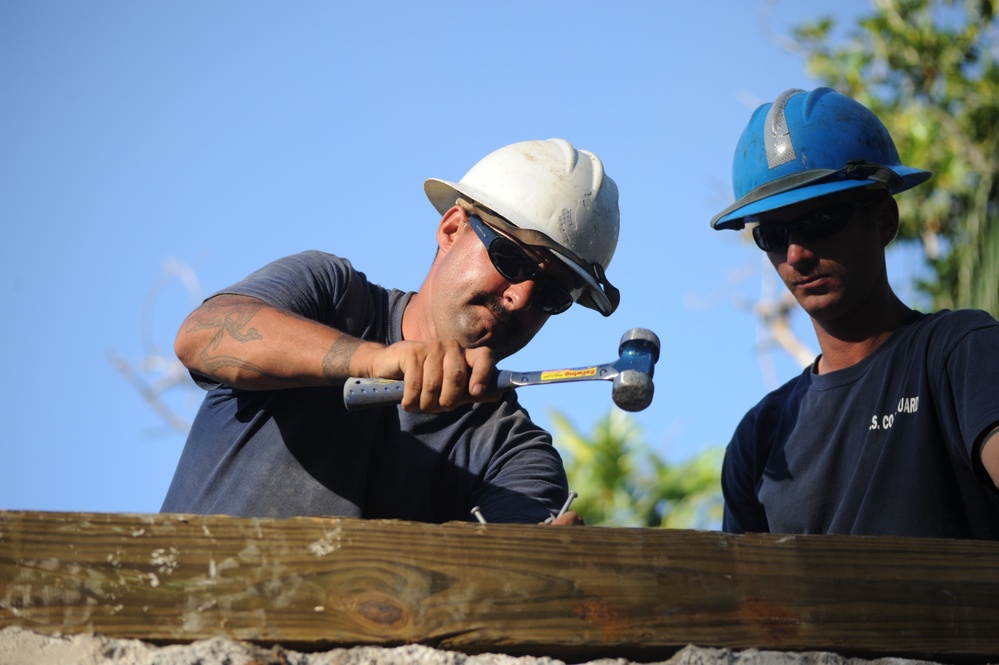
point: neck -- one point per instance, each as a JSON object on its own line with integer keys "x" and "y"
{"x": 850, "y": 339}
{"x": 414, "y": 327}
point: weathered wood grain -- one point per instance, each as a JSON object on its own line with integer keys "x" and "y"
{"x": 568, "y": 592}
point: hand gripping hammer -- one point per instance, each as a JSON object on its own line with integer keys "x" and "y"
{"x": 631, "y": 374}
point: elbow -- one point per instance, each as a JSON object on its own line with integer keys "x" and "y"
{"x": 990, "y": 455}
{"x": 187, "y": 343}
{"x": 183, "y": 348}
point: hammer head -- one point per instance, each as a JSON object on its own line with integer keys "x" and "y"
{"x": 638, "y": 353}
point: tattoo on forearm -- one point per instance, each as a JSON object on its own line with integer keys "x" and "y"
{"x": 230, "y": 324}
{"x": 336, "y": 362}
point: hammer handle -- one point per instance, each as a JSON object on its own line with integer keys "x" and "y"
{"x": 361, "y": 393}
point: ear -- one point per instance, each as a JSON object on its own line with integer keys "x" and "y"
{"x": 888, "y": 220}
{"x": 453, "y": 221}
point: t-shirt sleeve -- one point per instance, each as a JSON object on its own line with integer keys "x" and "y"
{"x": 314, "y": 285}
{"x": 743, "y": 511}
{"x": 972, "y": 377}
{"x": 317, "y": 286}
{"x": 524, "y": 480}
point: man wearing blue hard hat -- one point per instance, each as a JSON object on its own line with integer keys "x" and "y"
{"x": 894, "y": 429}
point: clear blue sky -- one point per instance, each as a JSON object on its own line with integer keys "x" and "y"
{"x": 139, "y": 136}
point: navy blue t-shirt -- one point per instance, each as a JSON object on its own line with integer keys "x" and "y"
{"x": 296, "y": 452}
{"x": 885, "y": 447}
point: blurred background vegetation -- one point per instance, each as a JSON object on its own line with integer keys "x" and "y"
{"x": 928, "y": 69}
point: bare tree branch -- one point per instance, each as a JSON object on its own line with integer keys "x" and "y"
{"x": 158, "y": 371}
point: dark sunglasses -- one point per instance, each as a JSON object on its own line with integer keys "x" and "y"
{"x": 511, "y": 261}
{"x": 821, "y": 223}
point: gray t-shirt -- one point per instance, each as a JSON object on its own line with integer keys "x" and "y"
{"x": 297, "y": 452}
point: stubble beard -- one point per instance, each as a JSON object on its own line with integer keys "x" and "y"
{"x": 502, "y": 332}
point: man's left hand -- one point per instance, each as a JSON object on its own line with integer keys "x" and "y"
{"x": 568, "y": 518}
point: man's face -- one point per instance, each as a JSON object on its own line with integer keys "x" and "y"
{"x": 473, "y": 303}
{"x": 833, "y": 275}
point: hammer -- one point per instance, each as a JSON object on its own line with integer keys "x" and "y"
{"x": 631, "y": 374}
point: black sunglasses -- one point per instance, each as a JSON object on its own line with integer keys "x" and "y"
{"x": 821, "y": 223}
{"x": 511, "y": 261}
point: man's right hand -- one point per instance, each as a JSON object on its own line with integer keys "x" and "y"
{"x": 437, "y": 375}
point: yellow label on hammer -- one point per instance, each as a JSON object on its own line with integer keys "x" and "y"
{"x": 562, "y": 374}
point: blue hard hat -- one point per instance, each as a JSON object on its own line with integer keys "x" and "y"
{"x": 811, "y": 144}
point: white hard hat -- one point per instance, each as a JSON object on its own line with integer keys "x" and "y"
{"x": 551, "y": 188}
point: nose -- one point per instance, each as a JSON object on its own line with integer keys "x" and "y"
{"x": 519, "y": 296}
{"x": 796, "y": 252}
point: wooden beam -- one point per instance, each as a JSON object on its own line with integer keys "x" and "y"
{"x": 566, "y": 592}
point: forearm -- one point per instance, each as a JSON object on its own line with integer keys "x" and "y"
{"x": 245, "y": 343}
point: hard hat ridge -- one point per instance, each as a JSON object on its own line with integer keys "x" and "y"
{"x": 779, "y": 148}
{"x": 807, "y": 145}
{"x": 548, "y": 187}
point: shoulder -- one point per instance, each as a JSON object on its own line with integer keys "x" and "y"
{"x": 311, "y": 260}
{"x": 313, "y": 284}
{"x": 781, "y": 401}
{"x": 946, "y": 331}
{"x": 308, "y": 266}
{"x": 956, "y": 321}
{"x": 769, "y": 420}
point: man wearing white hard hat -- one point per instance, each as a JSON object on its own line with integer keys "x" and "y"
{"x": 525, "y": 234}
{"x": 894, "y": 429}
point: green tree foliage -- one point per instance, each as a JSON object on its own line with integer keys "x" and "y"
{"x": 928, "y": 69}
{"x": 621, "y": 480}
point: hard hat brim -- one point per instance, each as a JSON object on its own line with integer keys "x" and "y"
{"x": 444, "y": 194}
{"x": 735, "y": 218}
